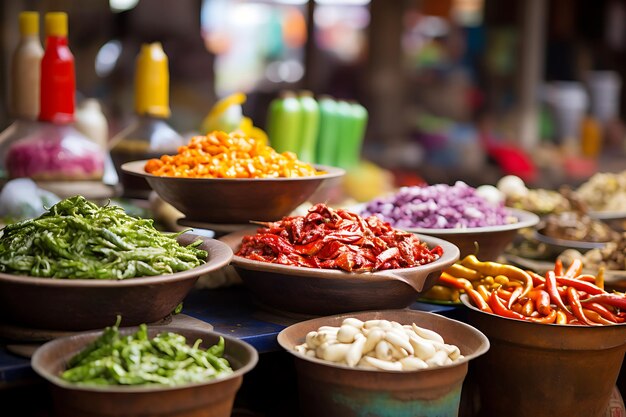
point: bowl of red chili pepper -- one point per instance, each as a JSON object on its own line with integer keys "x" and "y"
{"x": 333, "y": 261}
{"x": 564, "y": 336}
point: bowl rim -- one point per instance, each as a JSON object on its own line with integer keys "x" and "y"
{"x": 91, "y": 335}
{"x": 137, "y": 168}
{"x": 466, "y": 301}
{"x": 607, "y": 215}
{"x": 564, "y": 243}
{"x": 222, "y": 257}
{"x": 451, "y": 254}
{"x": 466, "y": 358}
{"x": 524, "y": 219}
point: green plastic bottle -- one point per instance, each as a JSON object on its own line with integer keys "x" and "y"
{"x": 359, "y": 123}
{"x": 309, "y": 126}
{"x": 345, "y": 126}
{"x": 284, "y": 123}
{"x": 328, "y": 132}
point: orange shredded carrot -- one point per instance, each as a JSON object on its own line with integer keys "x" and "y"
{"x": 224, "y": 155}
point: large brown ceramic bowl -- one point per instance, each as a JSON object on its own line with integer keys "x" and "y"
{"x": 491, "y": 241}
{"x": 213, "y": 398}
{"x": 86, "y": 304}
{"x": 313, "y": 291}
{"x": 334, "y": 390}
{"x": 233, "y": 201}
{"x": 573, "y": 369}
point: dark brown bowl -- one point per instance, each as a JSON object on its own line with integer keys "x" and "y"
{"x": 491, "y": 240}
{"x": 208, "y": 399}
{"x": 85, "y": 304}
{"x": 573, "y": 369}
{"x": 233, "y": 201}
{"x": 312, "y": 291}
{"x": 334, "y": 390}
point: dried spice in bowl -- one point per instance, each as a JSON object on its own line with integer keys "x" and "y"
{"x": 337, "y": 239}
{"x": 229, "y": 155}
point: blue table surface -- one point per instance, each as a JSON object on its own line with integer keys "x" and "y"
{"x": 230, "y": 310}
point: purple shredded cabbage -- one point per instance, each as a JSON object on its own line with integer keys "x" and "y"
{"x": 438, "y": 207}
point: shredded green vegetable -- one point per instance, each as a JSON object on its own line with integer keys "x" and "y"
{"x": 76, "y": 238}
{"x": 135, "y": 359}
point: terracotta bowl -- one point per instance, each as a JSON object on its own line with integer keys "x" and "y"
{"x": 491, "y": 240}
{"x": 333, "y": 390}
{"x": 311, "y": 291}
{"x": 233, "y": 201}
{"x": 208, "y": 399}
{"x": 573, "y": 369}
{"x": 85, "y": 304}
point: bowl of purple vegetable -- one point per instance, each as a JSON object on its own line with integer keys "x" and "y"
{"x": 456, "y": 213}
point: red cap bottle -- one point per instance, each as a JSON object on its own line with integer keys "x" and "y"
{"x": 58, "y": 82}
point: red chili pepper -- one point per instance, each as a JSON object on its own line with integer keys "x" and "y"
{"x": 514, "y": 296}
{"x": 460, "y": 283}
{"x": 580, "y": 285}
{"x": 561, "y": 317}
{"x": 484, "y": 292}
{"x": 478, "y": 300}
{"x": 553, "y": 291}
{"x": 558, "y": 268}
{"x": 528, "y": 308}
{"x": 577, "y": 309}
{"x": 574, "y": 269}
{"x": 542, "y": 301}
{"x": 604, "y": 312}
{"x": 549, "y": 319}
{"x": 596, "y": 318}
{"x": 614, "y": 300}
{"x": 587, "y": 278}
{"x": 537, "y": 279}
{"x": 500, "y": 309}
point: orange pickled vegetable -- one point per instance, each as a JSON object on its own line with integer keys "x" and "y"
{"x": 229, "y": 155}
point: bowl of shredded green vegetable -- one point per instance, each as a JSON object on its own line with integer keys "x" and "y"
{"x": 145, "y": 370}
{"x": 79, "y": 265}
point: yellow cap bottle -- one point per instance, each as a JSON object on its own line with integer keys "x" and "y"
{"x": 29, "y": 23}
{"x": 152, "y": 82}
{"x": 56, "y": 24}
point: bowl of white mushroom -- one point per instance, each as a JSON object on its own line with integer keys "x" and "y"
{"x": 368, "y": 362}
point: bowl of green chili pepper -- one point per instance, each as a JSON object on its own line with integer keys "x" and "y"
{"x": 145, "y": 370}
{"x": 79, "y": 265}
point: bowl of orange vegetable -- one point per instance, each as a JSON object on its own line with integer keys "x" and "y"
{"x": 231, "y": 179}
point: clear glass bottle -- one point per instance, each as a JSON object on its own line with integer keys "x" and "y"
{"x": 150, "y": 136}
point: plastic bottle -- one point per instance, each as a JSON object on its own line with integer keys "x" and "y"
{"x": 591, "y": 137}
{"x": 150, "y": 136}
{"x": 345, "y": 126}
{"x": 359, "y": 117}
{"x": 284, "y": 123}
{"x": 91, "y": 122}
{"x": 55, "y": 151}
{"x": 309, "y": 126}
{"x": 328, "y": 132}
{"x": 25, "y": 79}
{"x": 26, "y": 69}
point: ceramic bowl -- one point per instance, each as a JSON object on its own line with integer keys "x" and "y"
{"x": 491, "y": 241}
{"x": 312, "y": 291}
{"x": 334, "y": 390}
{"x": 233, "y": 201}
{"x": 586, "y": 359}
{"x": 86, "y": 304}
{"x": 213, "y": 398}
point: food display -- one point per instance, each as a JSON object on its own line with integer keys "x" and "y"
{"x": 539, "y": 201}
{"x": 611, "y": 257}
{"x": 481, "y": 277}
{"x": 136, "y": 359}
{"x": 76, "y": 238}
{"x": 438, "y": 207}
{"x": 562, "y": 296}
{"x": 577, "y": 227}
{"x": 337, "y": 239}
{"x": 229, "y": 155}
{"x": 604, "y": 192}
{"x": 379, "y": 345}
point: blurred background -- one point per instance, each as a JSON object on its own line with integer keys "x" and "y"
{"x": 456, "y": 89}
